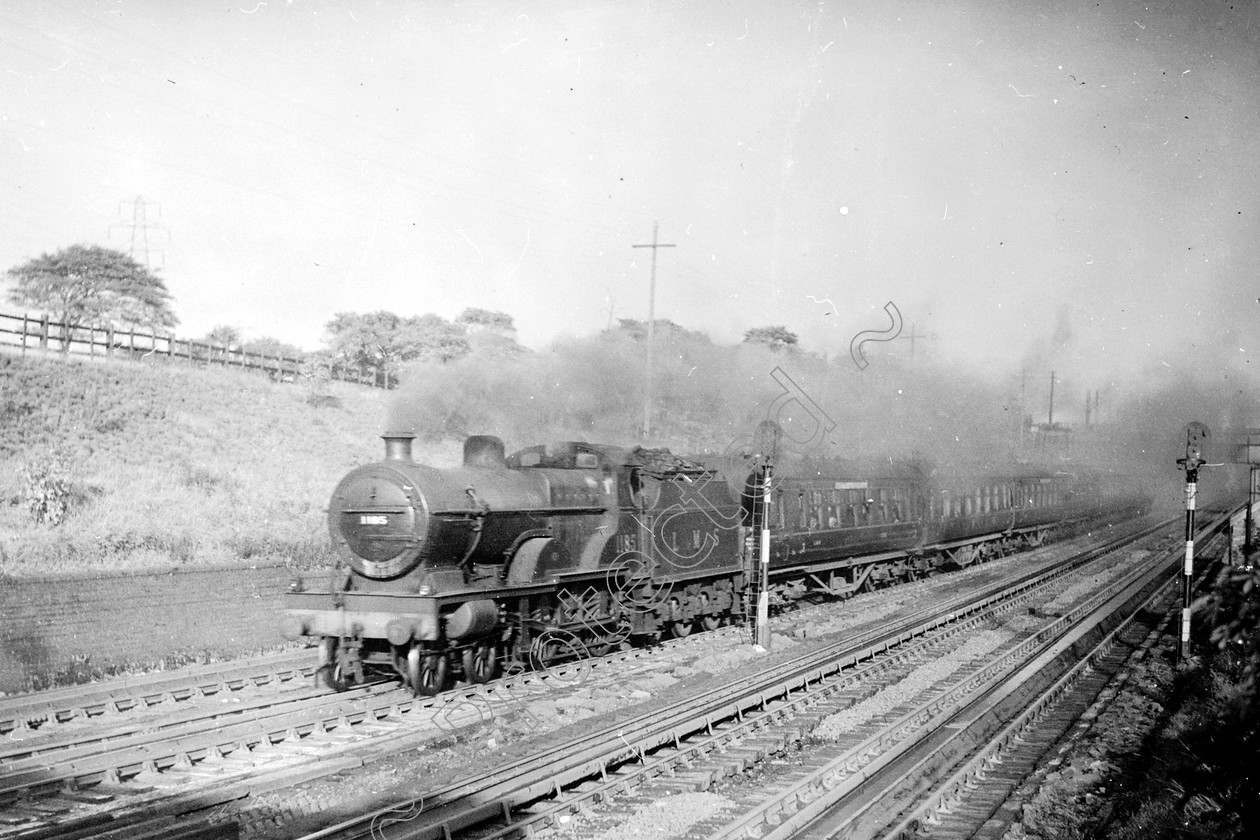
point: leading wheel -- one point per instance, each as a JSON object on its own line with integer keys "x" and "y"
{"x": 481, "y": 663}
{"x": 331, "y": 670}
{"x": 432, "y": 675}
{"x": 411, "y": 669}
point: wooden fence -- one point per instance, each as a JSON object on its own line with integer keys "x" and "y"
{"x": 43, "y": 335}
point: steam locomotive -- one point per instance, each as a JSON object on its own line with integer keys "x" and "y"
{"x": 573, "y": 548}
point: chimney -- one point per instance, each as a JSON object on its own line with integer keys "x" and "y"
{"x": 398, "y": 445}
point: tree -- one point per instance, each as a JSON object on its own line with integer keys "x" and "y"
{"x": 432, "y": 338}
{"x": 776, "y": 338}
{"x": 665, "y": 330}
{"x": 89, "y": 285}
{"x": 223, "y": 336}
{"x": 383, "y": 340}
{"x": 490, "y": 334}
{"x": 492, "y": 345}
{"x": 476, "y": 320}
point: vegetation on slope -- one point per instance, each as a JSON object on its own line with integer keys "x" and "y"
{"x": 130, "y": 466}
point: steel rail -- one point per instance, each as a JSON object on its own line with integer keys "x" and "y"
{"x": 191, "y": 753}
{"x": 28, "y": 711}
{"x": 188, "y": 742}
{"x": 597, "y": 756}
{"x": 1021, "y": 731}
{"x": 852, "y": 795}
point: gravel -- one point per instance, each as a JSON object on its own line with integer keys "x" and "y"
{"x": 668, "y": 817}
{"x": 666, "y": 675}
{"x": 903, "y": 691}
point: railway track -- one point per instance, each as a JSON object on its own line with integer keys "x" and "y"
{"x": 975, "y": 799}
{"x": 686, "y": 745}
{"x": 960, "y": 747}
{"x": 165, "y": 746}
{"x": 138, "y": 776}
{"x": 46, "y": 710}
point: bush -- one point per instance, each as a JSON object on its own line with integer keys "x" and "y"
{"x": 45, "y": 486}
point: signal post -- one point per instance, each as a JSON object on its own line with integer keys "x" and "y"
{"x": 767, "y": 440}
{"x": 1196, "y": 437}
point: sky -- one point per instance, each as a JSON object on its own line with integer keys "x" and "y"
{"x": 1029, "y": 183}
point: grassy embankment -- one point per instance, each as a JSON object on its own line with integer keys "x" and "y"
{"x": 163, "y": 466}
{"x": 158, "y": 466}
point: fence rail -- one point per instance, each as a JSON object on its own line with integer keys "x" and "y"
{"x": 43, "y": 335}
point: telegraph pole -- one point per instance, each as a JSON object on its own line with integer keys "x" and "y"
{"x": 912, "y": 336}
{"x": 651, "y": 330}
{"x": 1050, "y": 421}
{"x": 1249, "y": 454}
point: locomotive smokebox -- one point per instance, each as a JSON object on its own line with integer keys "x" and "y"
{"x": 398, "y": 445}
{"x": 485, "y": 452}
